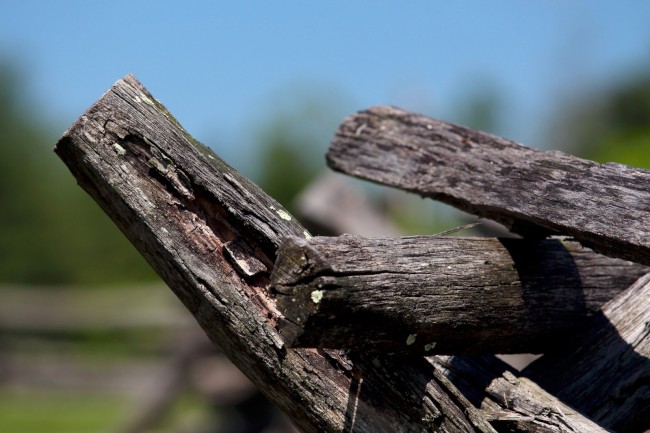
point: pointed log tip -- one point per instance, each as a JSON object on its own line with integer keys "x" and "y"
{"x": 131, "y": 79}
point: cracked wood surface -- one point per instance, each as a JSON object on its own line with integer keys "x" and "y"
{"x": 431, "y": 294}
{"x": 511, "y": 403}
{"x": 210, "y": 234}
{"x": 532, "y": 192}
{"x": 601, "y": 371}
{"x": 604, "y": 370}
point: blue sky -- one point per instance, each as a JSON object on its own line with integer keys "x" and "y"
{"x": 220, "y": 67}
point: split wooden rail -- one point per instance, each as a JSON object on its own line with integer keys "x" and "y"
{"x": 396, "y": 334}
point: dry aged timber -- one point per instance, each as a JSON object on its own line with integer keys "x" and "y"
{"x": 509, "y": 402}
{"x": 431, "y": 294}
{"x": 212, "y": 236}
{"x": 601, "y": 371}
{"x": 533, "y": 192}
{"x": 332, "y": 205}
{"x": 604, "y": 370}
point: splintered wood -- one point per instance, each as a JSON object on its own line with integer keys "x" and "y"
{"x": 182, "y": 207}
{"x": 257, "y": 282}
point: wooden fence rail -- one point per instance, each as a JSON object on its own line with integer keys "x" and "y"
{"x": 179, "y": 204}
{"x": 213, "y": 236}
{"x": 429, "y": 294}
{"x": 532, "y": 192}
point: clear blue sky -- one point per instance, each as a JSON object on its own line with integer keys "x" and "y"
{"x": 219, "y": 65}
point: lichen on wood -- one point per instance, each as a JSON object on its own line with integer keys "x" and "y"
{"x": 181, "y": 223}
{"x": 431, "y": 294}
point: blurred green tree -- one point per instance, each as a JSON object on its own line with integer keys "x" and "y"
{"x": 51, "y": 232}
{"x": 611, "y": 125}
{"x": 293, "y": 140}
{"x": 482, "y": 107}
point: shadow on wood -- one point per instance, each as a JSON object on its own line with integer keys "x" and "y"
{"x": 179, "y": 204}
{"x": 431, "y": 294}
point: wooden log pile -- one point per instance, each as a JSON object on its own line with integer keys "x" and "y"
{"x": 339, "y": 332}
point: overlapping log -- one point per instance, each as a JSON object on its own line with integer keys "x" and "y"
{"x": 212, "y": 236}
{"x": 511, "y": 403}
{"x": 533, "y": 192}
{"x": 430, "y": 294}
{"x": 604, "y": 370}
{"x": 601, "y": 371}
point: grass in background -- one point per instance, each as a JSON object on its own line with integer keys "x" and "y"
{"x": 57, "y": 412}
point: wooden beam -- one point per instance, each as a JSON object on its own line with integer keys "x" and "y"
{"x": 430, "y": 294}
{"x": 183, "y": 207}
{"x": 604, "y": 369}
{"x": 533, "y": 192}
{"x": 511, "y": 403}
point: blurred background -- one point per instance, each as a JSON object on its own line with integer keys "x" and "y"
{"x": 90, "y": 339}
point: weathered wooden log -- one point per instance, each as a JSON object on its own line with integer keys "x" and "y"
{"x": 511, "y": 403}
{"x": 533, "y": 192}
{"x": 332, "y": 206}
{"x": 604, "y": 369}
{"x": 212, "y": 235}
{"x": 431, "y": 294}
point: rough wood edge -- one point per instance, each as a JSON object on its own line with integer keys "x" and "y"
{"x": 604, "y": 370}
{"x": 421, "y": 295}
{"x": 533, "y": 192}
{"x": 511, "y": 403}
{"x": 179, "y": 204}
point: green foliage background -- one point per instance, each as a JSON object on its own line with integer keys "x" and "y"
{"x": 612, "y": 125}
{"x": 52, "y": 233}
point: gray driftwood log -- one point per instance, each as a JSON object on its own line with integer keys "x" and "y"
{"x": 431, "y": 294}
{"x": 604, "y": 370}
{"x": 533, "y": 192}
{"x": 212, "y": 235}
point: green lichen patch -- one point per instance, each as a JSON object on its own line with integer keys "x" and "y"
{"x": 119, "y": 149}
{"x": 429, "y": 347}
{"x": 316, "y": 296}
{"x": 283, "y": 214}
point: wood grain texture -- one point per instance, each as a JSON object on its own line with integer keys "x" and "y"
{"x": 533, "y": 192}
{"x": 604, "y": 370}
{"x": 210, "y": 233}
{"x": 430, "y": 294}
{"x": 510, "y": 402}
{"x": 481, "y": 379}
